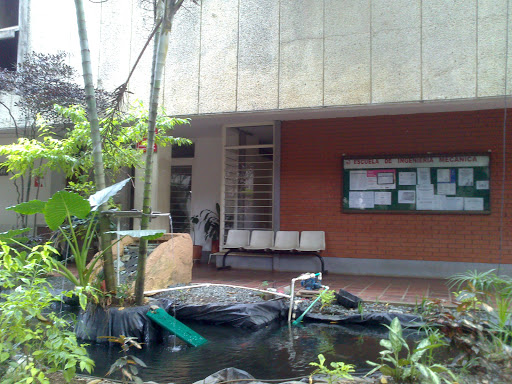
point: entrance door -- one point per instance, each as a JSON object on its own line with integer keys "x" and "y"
{"x": 248, "y": 187}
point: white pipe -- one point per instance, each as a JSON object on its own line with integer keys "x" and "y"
{"x": 118, "y": 249}
{"x": 304, "y": 276}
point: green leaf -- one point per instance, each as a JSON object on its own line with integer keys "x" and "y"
{"x": 69, "y": 374}
{"x": 149, "y": 234}
{"x": 28, "y": 207}
{"x": 83, "y": 301}
{"x": 386, "y": 344}
{"x": 62, "y": 204}
{"x": 10, "y": 235}
{"x": 101, "y": 197}
{"x": 138, "y": 361}
{"x": 386, "y": 370}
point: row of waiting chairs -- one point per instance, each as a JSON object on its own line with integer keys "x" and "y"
{"x": 307, "y": 242}
{"x": 258, "y": 240}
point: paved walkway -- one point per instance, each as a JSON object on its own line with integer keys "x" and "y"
{"x": 370, "y": 288}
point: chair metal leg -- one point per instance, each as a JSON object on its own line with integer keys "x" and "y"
{"x": 324, "y": 272}
{"x": 224, "y": 266}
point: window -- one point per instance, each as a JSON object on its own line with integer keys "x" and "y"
{"x": 249, "y": 178}
{"x": 9, "y": 33}
{"x": 183, "y": 151}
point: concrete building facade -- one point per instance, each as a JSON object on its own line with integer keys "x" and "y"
{"x": 301, "y": 83}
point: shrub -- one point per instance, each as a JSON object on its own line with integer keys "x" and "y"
{"x": 338, "y": 370}
{"x": 416, "y": 366}
{"x": 33, "y": 340}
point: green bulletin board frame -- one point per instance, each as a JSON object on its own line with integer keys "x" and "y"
{"x": 419, "y": 184}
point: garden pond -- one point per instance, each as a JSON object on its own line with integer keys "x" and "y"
{"x": 274, "y": 352}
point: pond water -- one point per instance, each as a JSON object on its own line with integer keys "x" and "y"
{"x": 275, "y": 352}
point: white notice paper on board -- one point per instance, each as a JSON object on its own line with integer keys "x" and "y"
{"x": 382, "y": 198}
{"x": 358, "y": 181}
{"x": 454, "y": 203}
{"x": 361, "y": 200}
{"x": 482, "y": 184}
{"x": 443, "y": 176}
{"x": 425, "y": 197}
{"x": 406, "y": 178}
{"x": 473, "y": 203}
{"x": 465, "y": 177}
{"x": 439, "y": 203}
{"x": 446, "y": 188}
{"x": 423, "y": 176}
{"x": 406, "y": 197}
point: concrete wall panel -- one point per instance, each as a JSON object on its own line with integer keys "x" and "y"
{"x": 301, "y": 54}
{"x": 491, "y": 47}
{"x": 347, "y": 52}
{"x": 449, "y": 49}
{"x": 182, "y": 67}
{"x": 258, "y": 56}
{"x": 142, "y": 24}
{"x": 113, "y": 44}
{"x": 218, "y": 66}
{"x": 51, "y": 32}
{"x": 396, "y": 53}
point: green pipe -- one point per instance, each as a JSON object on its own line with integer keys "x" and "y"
{"x": 299, "y": 319}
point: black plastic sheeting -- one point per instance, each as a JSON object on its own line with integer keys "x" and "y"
{"x": 96, "y": 323}
{"x": 251, "y": 316}
{"x": 376, "y": 318}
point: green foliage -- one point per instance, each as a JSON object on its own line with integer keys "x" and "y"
{"x": 71, "y": 153}
{"x": 489, "y": 297}
{"x": 410, "y": 366}
{"x": 63, "y": 207}
{"x": 126, "y": 365}
{"x": 33, "y": 340}
{"x": 360, "y": 309}
{"x": 327, "y": 298}
{"x": 14, "y": 235}
{"x": 339, "y": 370}
{"x": 480, "y": 281}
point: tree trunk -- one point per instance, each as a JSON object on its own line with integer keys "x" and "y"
{"x": 92, "y": 114}
{"x": 161, "y": 46}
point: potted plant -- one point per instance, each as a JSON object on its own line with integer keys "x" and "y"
{"x": 211, "y": 224}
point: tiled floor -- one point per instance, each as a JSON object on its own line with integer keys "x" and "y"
{"x": 370, "y": 288}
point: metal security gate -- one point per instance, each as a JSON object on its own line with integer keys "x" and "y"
{"x": 249, "y": 173}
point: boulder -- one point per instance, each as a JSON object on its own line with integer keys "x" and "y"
{"x": 170, "y": 263}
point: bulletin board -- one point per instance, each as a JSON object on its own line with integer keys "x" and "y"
{"x": 455, "y": 183}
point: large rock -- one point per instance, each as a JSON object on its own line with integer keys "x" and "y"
{"x": 170, "y": 263}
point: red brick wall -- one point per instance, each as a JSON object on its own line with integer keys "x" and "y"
{"x": 311, "y": 187}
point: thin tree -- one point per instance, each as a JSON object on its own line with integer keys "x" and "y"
{"x": 92, "y": 113}
{"x": 166, "y": 9}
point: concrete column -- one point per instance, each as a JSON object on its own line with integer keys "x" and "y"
{"x": 161, "y": 188}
